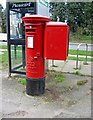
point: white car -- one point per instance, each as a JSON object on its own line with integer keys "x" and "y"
{"x": 3, "y": 36}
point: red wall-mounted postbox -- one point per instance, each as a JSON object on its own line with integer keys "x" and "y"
{"x": 56, "y": 41}
{"x": 44, "y": 39}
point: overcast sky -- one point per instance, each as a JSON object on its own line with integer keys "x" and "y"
{"x": 3, "y": 2}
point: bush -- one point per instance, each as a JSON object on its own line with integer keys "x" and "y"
{"x": 86, "y": 31}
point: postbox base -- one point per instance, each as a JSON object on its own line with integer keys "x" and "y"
{"x": 35, "y": 86}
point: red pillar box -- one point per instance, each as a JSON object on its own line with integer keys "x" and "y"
{"x": 34, "y": 32}
{"x": 56, "y": 41}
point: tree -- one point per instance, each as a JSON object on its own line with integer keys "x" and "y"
{"x": 1, "y": 14}
{"x": 2, "y": 19}
{"x": 78, "y": 14}
{"x": 57, "y": 9}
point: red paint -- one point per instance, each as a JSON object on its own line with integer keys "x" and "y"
{"x": 34, "y": 28}
{"x": 56, "y": 41}
{"x": 44, "y": 39}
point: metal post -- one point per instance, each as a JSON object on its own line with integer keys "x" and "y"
{"x": 52, "y": 62}
{"x": 77, "y": 55}
{"x": 86, "y": 52}
{"x": 15, "y": 51}
{"x": 85, "y": 63}
{"x": 8, "y": 37}
{"x": 23, "y": 56}
{"x": 77, "y": 60}
{"x": 46, "y": 66}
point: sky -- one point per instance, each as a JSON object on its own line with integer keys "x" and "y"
{"x": 3, "y": 2}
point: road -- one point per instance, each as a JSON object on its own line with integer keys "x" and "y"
{"x": 82, "y": 47}
{"x": 71, "y": 46}
{"x": 3, "y": 43}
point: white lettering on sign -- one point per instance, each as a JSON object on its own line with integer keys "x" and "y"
{"x": 21, "y": 5}
{"x": 30, "y": 42}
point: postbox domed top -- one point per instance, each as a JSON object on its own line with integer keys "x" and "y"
{"x": 56, "y": 24}
{"x": 35, "y": 18}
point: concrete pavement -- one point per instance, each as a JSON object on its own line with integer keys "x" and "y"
{"x": 64, "y": 100}
{"x": 69, "y": 66}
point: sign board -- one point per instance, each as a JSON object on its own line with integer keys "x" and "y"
{"x": 21, "y": 5}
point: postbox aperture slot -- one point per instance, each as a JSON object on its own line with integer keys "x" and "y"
{"x": 30, "y": 42}
{"x": 30, "y": 30}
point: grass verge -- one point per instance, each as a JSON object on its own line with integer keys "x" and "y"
{"x": 4, "y": 59}
{"x": 81, "y": 82}
{"x": 3, "y": 47}
{"x": 18, "y": 47}
{"x": 59, "y": 78}
{"x": 22, "y": 81}
{"x": 77, "y": 73}
{"x": 15, "y": 61}
{"x": 75, "y": 37}
{"x": 80, "y": 52}
{"x": 80, "y": 58}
